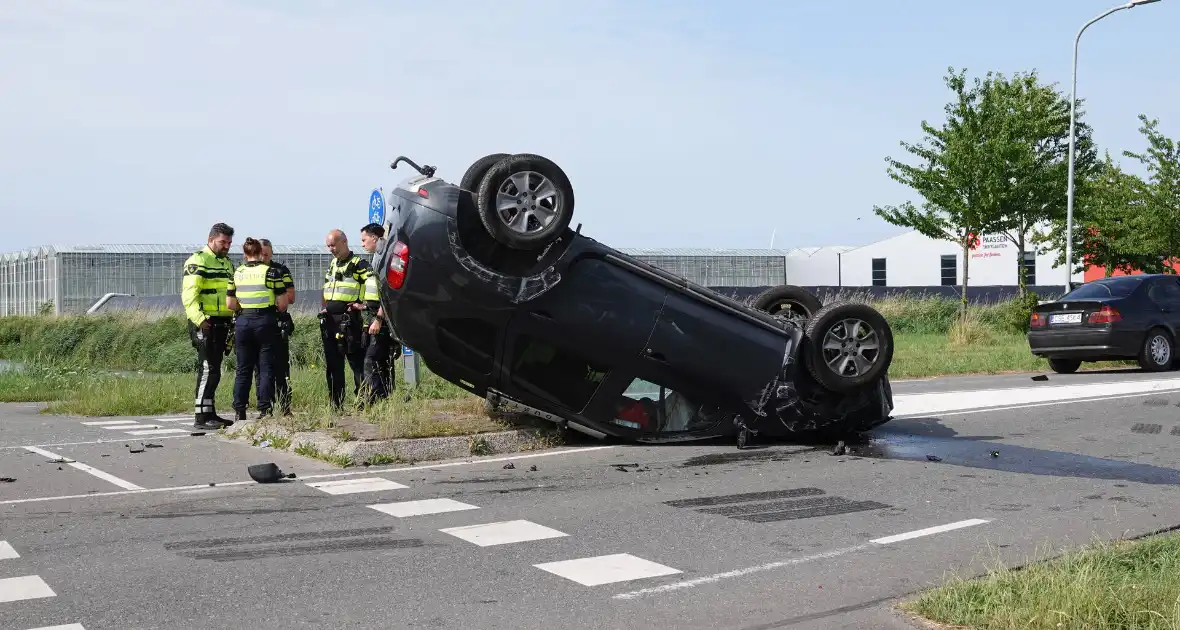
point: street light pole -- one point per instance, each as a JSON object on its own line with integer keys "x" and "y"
{"x": 1073, "y": 100}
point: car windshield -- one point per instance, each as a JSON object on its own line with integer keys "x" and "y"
{"x": 1107, "y": 287}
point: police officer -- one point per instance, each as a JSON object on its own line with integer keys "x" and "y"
{"x": 378, "y": 338}
{"x": 340, "y": 316}
{"x": 207, "y": 276}
{"x": 282, "y": 348}
{"x": 258, "y": 295}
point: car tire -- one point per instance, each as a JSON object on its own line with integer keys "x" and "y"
{"x": 800, "y": 302}
{"x": 1156, "y": 353}
{"x": 1064, "y": 366}
{"x": 502, "y": 181}
{"x": 851, "y": 327}
{"x": 479, "y": 168}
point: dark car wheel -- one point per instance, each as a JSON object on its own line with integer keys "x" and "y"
{"x": 1156, "y": 354}
{"x": 1064, "y": 366}
{"x": 525, "y": 201}
{"x": 477, "y": 170}
{"x": 847, "y": 347}
{"x": 788, "y": 302}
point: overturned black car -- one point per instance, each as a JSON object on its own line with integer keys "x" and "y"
{"x": 489, "y": 284}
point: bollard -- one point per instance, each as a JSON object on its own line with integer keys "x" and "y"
{"x": 413, "y": 367}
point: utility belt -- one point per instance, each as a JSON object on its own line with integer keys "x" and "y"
{"x": 220, "y": 326}
{"x": 343, "y": 328}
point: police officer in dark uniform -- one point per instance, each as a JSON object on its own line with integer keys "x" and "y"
{"x": 340, "y": 316}
{"x": 282, "y": 354}
{"x": 207, "y": 277}
{"x": 258, "y": 295}
{"x": 378, "y": 339}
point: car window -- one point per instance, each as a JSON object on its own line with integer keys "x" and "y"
{"x": 554, "y": 373}
{"x": 1107, "y": 287}
{"x": 645, "y": 406}
{"x": 1165, "y": 291}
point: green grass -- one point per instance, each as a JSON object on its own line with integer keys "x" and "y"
{"x": 1107, "y": 586}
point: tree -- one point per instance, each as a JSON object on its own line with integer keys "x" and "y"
{"x": 1032, "y": 129}
{"x": 1161, "y": 192}
{"x": 1122, "y": 222}
{"x": 1114, "y": 224}
{"x": 988, "y": 168}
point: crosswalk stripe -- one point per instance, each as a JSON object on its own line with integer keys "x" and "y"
{"x": 353, "y": 486}
{"x": 619, "y": 567}
{"x": 133, "y": 425}
{"x": 7, "y": 552}
{"x": 422, "y": 507}
{"x": 105, "y": 423}
{"x": 24, "y": 587}
{"x": 157, "y": 432}
{"x": 503, "y": 533}
{"x": 68, "y": 626}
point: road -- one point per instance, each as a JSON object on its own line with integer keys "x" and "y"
{"x": 596, "y": 536}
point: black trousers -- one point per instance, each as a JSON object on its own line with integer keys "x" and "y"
{"x": 282, "y": 364}
{"x": 379, "y": 365}
{"x": 254, "y": 339}
{"x": 210, "y": 346}
{"x": 337, "y": 352}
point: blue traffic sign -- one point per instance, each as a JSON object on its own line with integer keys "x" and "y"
{"x": 377, "y": 207}
{"x": 407, "y": 352}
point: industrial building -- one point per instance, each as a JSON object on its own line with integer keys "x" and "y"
{"x": 72, "y": 279}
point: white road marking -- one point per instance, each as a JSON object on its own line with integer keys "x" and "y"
{"x": 422, "y": 507}
{"x": 929, "y": 531}
{"x": 86, "y": 469}
{"x": 968, "y": 412}
{"x": 104, "y": 423}
{"x": 619, "y": 567}
{"x": 157, "y": 432}
{"x": 503, "y": 533}
{"x": 21, "y": 446}
{"x": 25, "y": 587}
{"x": 68, "y": 626}
{"x": 835, "y": 553}
{"x": 940, "y": 402}
{"x": 353, "y": 486}
{"x": 7, "y": 552}
{"x": 204, "y": 486}
{"x": 121, "y": 427}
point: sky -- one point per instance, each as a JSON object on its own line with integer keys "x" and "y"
{"x": 681, "y": 123}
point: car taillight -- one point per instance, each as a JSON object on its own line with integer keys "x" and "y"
{"x": 1037, "y": 321}
{"x": 1104, "y": 315}
{"x": 395, "y": 276}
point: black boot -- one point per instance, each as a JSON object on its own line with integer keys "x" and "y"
{"x": 240, "y": 414}
{"x": 213, "y": 417}
{"x": 205, "y": 423}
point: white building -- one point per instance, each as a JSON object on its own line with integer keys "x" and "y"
{"x": 914, "y": 260}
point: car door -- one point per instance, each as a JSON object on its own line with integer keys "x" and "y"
{"x": 1165, "y": 293}
{"x": 697, "y": 346}
{"x": 562, "y": 345}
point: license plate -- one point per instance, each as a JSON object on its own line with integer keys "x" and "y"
{"x": 1066, "y": 318}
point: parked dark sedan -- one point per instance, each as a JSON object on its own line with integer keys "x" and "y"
{"x": 489, "y": 284}
{"x": 1113, "y": 319}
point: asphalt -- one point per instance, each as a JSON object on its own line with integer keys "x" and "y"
{"x": 693, "y": 536}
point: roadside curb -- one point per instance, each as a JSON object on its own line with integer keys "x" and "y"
{"x": 327, "y": 447}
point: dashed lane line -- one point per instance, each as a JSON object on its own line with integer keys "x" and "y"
{"x": 122, "y": 483}
{"x": 7, "y": 552}
{"x": 876, "y": 542}
{"x": 354, "y": 486}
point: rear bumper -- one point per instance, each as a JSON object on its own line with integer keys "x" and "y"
{"x": 1082, "y": 344}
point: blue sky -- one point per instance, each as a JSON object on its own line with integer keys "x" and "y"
{"x": 681, "y": 124}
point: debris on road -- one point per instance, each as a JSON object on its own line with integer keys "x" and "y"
{"x": 197, "y": 433}
{"x": 509, "y": 466}
{"x": 1040, "y": 377}
{"x": 637, "y": 467}
{"x": 267, "y": 473}
{"x": 7, "y": 479}
{"x": 840, "y": 449}
{"x": 153, "y": 445}
{"x": 995, "y": 453}
{"x": 136, "y": 449}
{"x": 934, "y": 458}
{"x": 533, "y": 468}
{"x": 61, "y": 460}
